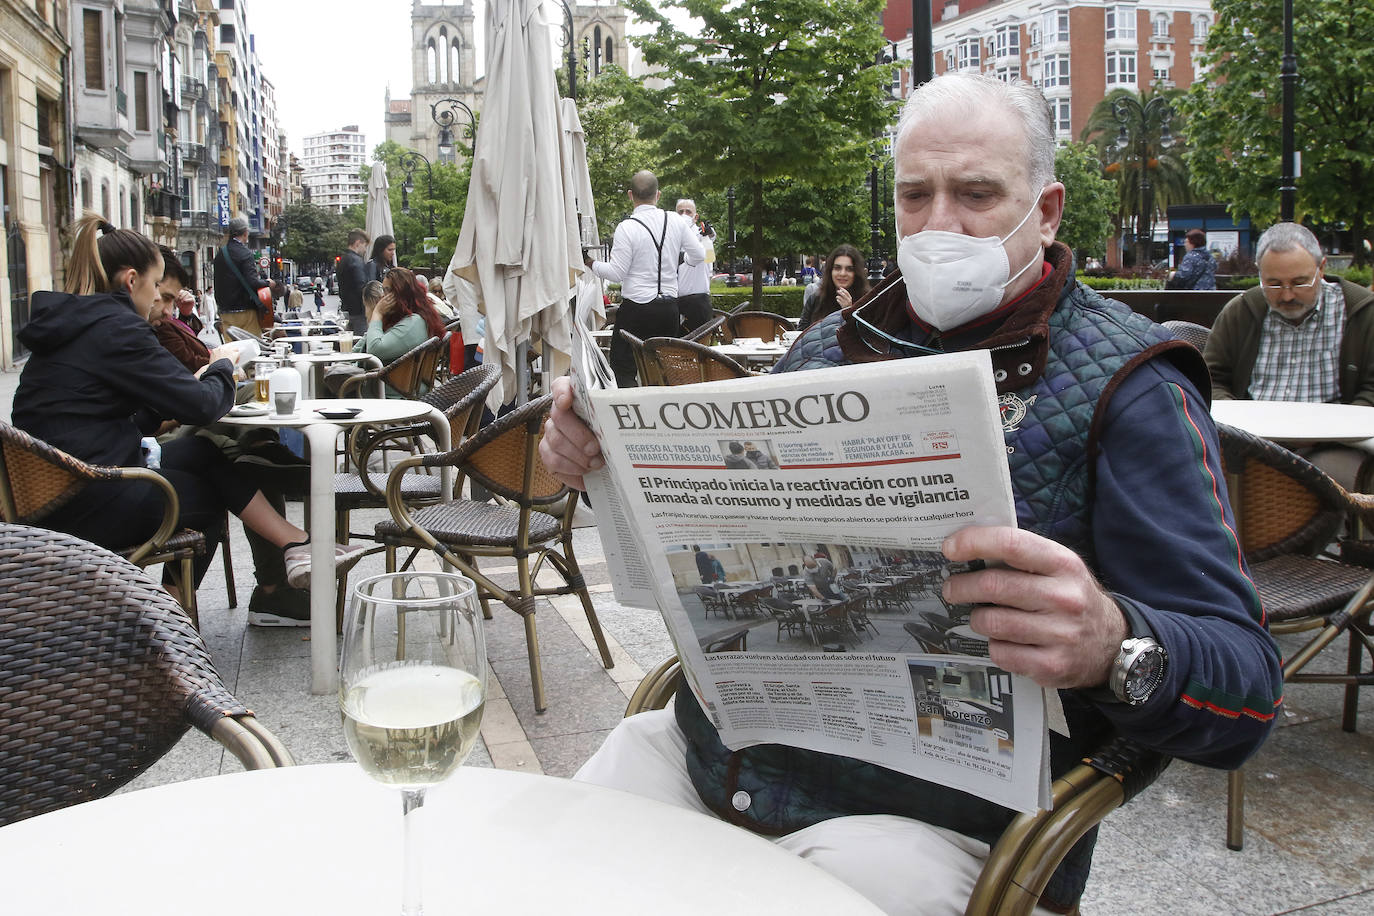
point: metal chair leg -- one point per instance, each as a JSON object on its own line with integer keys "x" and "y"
{"x": 229, "y": 585}
{"x": 1235, "y": 809}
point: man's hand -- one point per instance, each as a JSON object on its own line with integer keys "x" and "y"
{"x": 1044, "y": 614}
{"x": 568, "y": 449}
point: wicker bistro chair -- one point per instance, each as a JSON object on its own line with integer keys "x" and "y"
{"x": 460, "y": 398}
{"x": 1287, "y": 510}
{"x": 712, "y": 332}
{"x": 1186, "y": 331}
{"x": 36, "y": 479}
{"x": 410, "y": 374}
{"x": 532, "y": 523}
{"x": 766, "y": 326}
{"x": 101, "y": 673}
{"x": 1033, "y": 845}
{"x": 682, "y": 362}
{"x": 648, "y": 372}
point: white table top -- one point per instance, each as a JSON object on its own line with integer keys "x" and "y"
{"x": 333, "y": 356}
{"x": 373, "y": 410}
{"x": 763, "y": 352}
{"x": 1298, "y": 421}
{"x": 326, "y": 839}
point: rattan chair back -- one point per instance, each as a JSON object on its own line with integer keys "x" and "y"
{"x": 504, "y": 457}
{"x": 461, "y": 397}
{"x": 409, "y": 373}
{"x": 766, "y": 326}
{"x": 647, "y": 371}
{"x": 682, "y": 362}
{"x": 1186, "y": 331}
{"x": 712, "y": 332}
{"x": 35, "y": 478}
{"x": 1284, "y": 504}
{"x": 101, "y": 673}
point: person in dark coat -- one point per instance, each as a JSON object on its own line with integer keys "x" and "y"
{"x": 1198, "y": 269}
{"x": 98, "y": 382}
{"x": 239, "y": 306}
{"x": 352, "y": 278}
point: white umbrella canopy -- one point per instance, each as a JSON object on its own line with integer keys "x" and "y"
{"x": 519, "y": 245}
{"x": 378, "y": 219}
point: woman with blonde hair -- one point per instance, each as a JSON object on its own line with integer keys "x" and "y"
{"x": 98, "y": 382}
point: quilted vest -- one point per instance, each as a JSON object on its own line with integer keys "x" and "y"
{"x": 1049, "y": 419}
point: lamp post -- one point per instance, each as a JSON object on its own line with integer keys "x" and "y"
{"x": 1130, "y": 113}
{"x": 446, "y": 113}
{"x": 1288, "y": 77}
{"x": 570, "y": 42}
{"x": 922, "y": 57}
{"x": 730, "y": 239}
{"x": 410, "y": 163}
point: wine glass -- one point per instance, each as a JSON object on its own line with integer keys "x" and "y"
{"x": 412, "y": 684}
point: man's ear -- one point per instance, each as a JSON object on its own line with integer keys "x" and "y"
{"x": 1051, "y": 213}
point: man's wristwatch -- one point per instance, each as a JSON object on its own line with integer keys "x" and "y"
{"x": 1138, "y": 670}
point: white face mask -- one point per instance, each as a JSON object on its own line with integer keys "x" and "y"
{"x": 951, "y": 279}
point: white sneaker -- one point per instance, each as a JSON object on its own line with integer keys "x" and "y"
{"x": 297, "y": 560}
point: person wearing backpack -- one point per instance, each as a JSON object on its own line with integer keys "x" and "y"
{"x": 237, "y": 282}
{"x": 644, "y": 261}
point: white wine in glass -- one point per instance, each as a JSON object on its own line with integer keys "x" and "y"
{"x": 412, "y": 685}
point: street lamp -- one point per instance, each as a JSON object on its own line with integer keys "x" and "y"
{"x": 1130, "y": 113}
{"x": 447, "y": 112}
{"x": 410, "y": 163}
{"x": 730, "y": 239}
{"x": 570, "y": 42}
{"x": 1288, "y": 77}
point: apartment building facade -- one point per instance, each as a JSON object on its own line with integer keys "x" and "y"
{"x": 332, "y": 160}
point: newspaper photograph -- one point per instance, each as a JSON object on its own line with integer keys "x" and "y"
{"x": 788, "y": 529}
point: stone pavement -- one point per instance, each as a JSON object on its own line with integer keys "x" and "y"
{"x": 1309, "y": 847}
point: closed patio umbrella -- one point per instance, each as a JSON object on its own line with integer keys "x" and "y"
{"x": 519, "y": 246}
{"x": 378, "y": 219}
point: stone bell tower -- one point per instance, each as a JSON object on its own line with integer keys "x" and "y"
{"x": 443, "y": 67}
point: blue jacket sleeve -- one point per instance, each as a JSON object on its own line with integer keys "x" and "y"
{"x": 1165, "y": 538}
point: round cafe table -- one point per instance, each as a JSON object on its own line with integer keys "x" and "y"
{"x": 1298, "y": 422}
{"x": 327, "y": 840}
{"x": 312, "y": 366}
{"x": 320, "y": 434}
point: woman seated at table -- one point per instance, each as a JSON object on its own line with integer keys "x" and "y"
{"x": 399, "y": 319}
{"x": 98, "y": 381}
{"x": 842, "y": 284}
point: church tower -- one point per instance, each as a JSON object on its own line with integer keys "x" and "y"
{"x": 443, "y": 68}
{"x": 601, "y": 37}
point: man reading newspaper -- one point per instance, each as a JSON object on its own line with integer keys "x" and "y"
{"x": 1122, "y": 585}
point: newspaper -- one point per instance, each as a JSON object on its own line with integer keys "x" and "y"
{"x": 788, "y": 530}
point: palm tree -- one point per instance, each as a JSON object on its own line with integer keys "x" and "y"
{"x": 1115, "y": 128}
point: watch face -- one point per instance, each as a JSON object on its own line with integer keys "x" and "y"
{"x": 1144, "y": 675}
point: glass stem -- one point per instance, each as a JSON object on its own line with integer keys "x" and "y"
{"x": 411, "y": 903}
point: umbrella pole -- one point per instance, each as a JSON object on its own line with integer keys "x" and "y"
{"x": 522, "y": 373}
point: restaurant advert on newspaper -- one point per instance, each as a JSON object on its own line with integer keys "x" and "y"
{"x": 788, "y": 529}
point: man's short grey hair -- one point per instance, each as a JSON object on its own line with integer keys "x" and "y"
{"x": 687, "y": 201}
{"x": 1286, "y": 237}
{"x": 237, "y": 226}
{"x": 960, "y": 93}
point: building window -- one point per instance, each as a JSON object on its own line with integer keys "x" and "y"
{"x": 1008, "y": 41}
{"x": 949, "y": 59}
{"x": 1007, "y": 74}
{"x": 1121, "y": 23}
{"x": 105, "y": 199}
{"x": 969, "y": 49}
{"x": 141, "y": 121}
{"x": 1159, "y": 26}
{"x": 1201, "y": 25}
{"x": 1056, "y": 71}
{"x": 1063, "y": 122}
{"x": 1056, "y": 26}
{"x": 1121, "y": 68}
{"x": 85, "y": 192}
{"x": 93, "y": 39}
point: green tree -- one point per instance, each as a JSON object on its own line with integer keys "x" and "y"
{"x": 410, "y": 208}
{"x": 615, "y": 151}
{"x": 314, "y": 235}
{"x": 1165, "y": 164}
{"x": 767, "y": 90}
{"x": 1090, "y": 201}
{"x": 1234, "y": 112}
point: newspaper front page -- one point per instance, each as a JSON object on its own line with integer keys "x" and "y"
{"x": 788, "y": 530}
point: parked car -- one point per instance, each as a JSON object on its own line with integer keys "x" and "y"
{"x": 305, "y": 284}
{"x": 742, "y": 279}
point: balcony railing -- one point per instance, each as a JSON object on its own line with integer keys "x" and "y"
{"x": 164, "y": 204}
{"x": 196, "y": 219}
{"x": 193, "y": 152}
{"x": 193, "y": 89}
